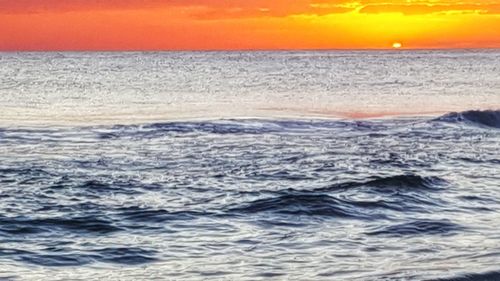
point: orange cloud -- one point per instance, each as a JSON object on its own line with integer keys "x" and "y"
{"x": 249, "y": 24}
{"x": 415, "y": 9}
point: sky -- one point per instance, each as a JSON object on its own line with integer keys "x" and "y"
{"x": 247, "y": 24}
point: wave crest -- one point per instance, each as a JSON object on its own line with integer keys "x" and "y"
{"x": 488, "y": 118}
{"x": 399, "y": 182}
{"x": 308, "y": 205}
{"x": 419, "y": 227}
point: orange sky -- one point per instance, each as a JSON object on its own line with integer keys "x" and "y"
{"x": 247, "y": 24}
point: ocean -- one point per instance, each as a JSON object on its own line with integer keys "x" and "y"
{"x": 305, "y": 165}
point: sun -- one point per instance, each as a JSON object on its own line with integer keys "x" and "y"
{"x": 397, "y": 45}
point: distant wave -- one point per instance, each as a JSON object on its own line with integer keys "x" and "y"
{"x": 488, "y": 118}
{"x": 258, "y": 126}
{"x": 229, "y": 127}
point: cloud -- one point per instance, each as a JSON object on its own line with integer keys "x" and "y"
{"x": 211, "y": 13}
{"x": 30, "y": 6}
{"x": 428, "y": 8}
{"x": 199, "y": 9}
{"x": 228, "y": 9}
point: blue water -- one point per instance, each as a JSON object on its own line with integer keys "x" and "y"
{"x": 247, "y": 199}
{"x": 303, "y": 165}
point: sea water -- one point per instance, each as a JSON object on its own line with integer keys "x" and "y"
{"x": 327, "y": 165}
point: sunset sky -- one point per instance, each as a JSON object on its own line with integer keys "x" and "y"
{"x": 247, "y": 24}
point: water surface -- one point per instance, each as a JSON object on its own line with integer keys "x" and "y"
{"x": 97, "y": 180}
{"x": 135, "y": 88}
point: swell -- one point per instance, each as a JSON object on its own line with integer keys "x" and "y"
{"x": 487, "y": 276}
{"x": 419, "y": 227}
{"x": 61, "y": 256}
{"x": 83, "y": 224}
{"x": 306, "y": 204}
{"x": 487, "y": 118}
{"x": 402, "y": 193}
{"x": 96, "y": 220}
{"x": 403, "y": 182}
{"x": 235, "y": 127}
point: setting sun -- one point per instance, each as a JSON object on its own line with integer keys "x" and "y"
{"x": 397, "y": 45}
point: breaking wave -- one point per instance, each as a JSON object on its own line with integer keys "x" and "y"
{"x": 487, "y": 118}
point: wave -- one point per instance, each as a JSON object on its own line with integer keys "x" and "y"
{"x": 125, "y": 255}
{"x": 85, "y": 224}
{"x": 399, "y": 182}
{"x": 307, "y": 204}
{"x": 32, "y": 172}
{"x": 56, "y": 256}
{"x": 234, "y": 127}
{"x": 332, "y": 201}
{"x": 146, "y": 215}
{"x": 221, "y": 127}
{"x": 487, "y": 276}
{"x": 487, "y": 118}
{"x": 97, "y": 187}
{"x": 419, "y": 227}
{"x": 406, "y": 181}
